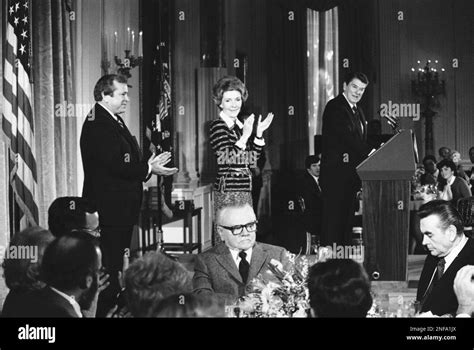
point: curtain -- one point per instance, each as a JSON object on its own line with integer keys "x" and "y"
{"x": 323, "y": 72}
{"x": 55, "y": 108}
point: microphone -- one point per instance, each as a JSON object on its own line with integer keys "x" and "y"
{"x": 392, "y": 121}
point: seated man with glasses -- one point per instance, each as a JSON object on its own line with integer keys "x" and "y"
{"x": 69, "y": 214}
{"x": 227, "y": 268}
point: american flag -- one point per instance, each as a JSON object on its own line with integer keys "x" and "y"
{"x": 17, "y": 115}
{"x": 157, "y": 132}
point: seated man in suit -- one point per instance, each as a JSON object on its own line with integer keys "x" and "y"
{"x": 67, "y": 214}
{"x": 227, "y": 268}
{"x": 71, "y": 269}
{"x": 339, "y": 288}
{"x": 23, "y": 275}
{"x": 464, "y": 289}
{"x": 310, "y": 191}
{"x": 430, "y": 177}
{"x": 450, "y": 249}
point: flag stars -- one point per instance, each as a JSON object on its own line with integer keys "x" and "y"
{"x": 25, "y": 5}
{"x": 25, "y": 19}
{"x": 16, "y": 21}
{"x": 22, "y": 49}
{"x": 24, "y": 34}
{"x": 11, "y": 10}
{"x": 17, "y": 6}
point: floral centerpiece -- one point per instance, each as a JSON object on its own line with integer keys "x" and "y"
{"x": 279, "y": 291}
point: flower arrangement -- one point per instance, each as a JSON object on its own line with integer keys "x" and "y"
{"x": 279, "y": 291}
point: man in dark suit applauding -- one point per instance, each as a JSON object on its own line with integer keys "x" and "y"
{"x": 344, "y": 146}
{"x": 227, "y": 268}
{"x": 113, "y": 173}
{"x": 450, "y": 249}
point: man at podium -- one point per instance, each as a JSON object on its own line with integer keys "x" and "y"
{"x": 344, "y": 146}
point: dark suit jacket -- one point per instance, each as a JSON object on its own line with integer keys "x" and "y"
{"x": 442, "y": 299}
{"x": 343, "y": 145}
{"x": 40, "y": 303}
{"x": 313, "y": 202}
{"x": 113, "y": 169}
{"x": 216, "y": 272}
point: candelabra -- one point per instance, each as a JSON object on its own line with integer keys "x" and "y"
{"x": 127, "y": 63}
{"x": 427, "y": 86}
{"x": 130, "y": 61}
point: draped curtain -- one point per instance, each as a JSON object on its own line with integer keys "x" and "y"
{"x": 323, "y": 72}
{"x": 55, "y": 117}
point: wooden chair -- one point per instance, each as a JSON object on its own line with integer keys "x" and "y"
{"x": 466, "y": 209}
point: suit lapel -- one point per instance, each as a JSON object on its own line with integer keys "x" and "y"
{"x": 259, "y": 257}
{"x": 224, "y": 258}
{"x": 123, "y": 131}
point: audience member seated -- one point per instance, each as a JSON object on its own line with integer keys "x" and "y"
{"x": 339, "y": 288}
{"x": 66, "y": 214}
{"x": 444, "y": 153}
{"x": 452, "y": 188}
{"x": 152, "y": 278}
{"x": 430, "y": 177}
{"x": 190, "y": 305}
{"x": 471, "y": 174}
{"x": 450, "y": 250}
{"x": 22, "y": 274}
{"x": 464, "y": 290}
{"x": 71, "y": 269}
{"x": 227, "y": 268}
{"x": 455, "y": 156}
{"x": 310, "y": 192}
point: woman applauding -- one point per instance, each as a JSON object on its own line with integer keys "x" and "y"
{"x": 232, "y": 142}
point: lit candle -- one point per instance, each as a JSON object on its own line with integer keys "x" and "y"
{"x": 128, "y": 39}
{"x": 140, "y": 45}
{"x": 133, "y": 43}
{"x": 115, "y": 44}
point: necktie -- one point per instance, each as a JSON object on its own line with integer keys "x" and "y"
{"x": 359, "y": 122}
{"x": 440, "y": 268}
{"x": 437, "y": 276}
{"x": 120, "y": 121}
{"x": 244, "y": 266}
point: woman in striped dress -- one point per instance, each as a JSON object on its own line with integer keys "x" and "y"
{"x": 236, "y": 151}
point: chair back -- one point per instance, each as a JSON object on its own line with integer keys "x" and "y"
{"x": 465, "y": 207}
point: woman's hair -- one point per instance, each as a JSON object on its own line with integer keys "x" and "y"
{"x": 339, "y": 288}
{"x": 228, "y": 83}
{"x": 190, "y": 305}
{"x": 152, "y": 278}
{"x": 22, "y": 272}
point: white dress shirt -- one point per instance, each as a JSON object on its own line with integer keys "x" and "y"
{"x": 71, "y": 300}
{"x": 236, "y": 257}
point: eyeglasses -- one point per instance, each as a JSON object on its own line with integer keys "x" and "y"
{"x": 93, "y": 232}
{"x": 238, "y": 229}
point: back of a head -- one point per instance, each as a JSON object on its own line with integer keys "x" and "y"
{"x": 68, "y": 213}
{"x": 152, "y": 278}
{"x": 69, "y": 259}
{"x": 339, "y": 288}
{"x": 189, "y": 306}
{"x": 22, "y": 272}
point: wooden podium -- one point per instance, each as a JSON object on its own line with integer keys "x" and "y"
{"x": 386, "y": 176}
